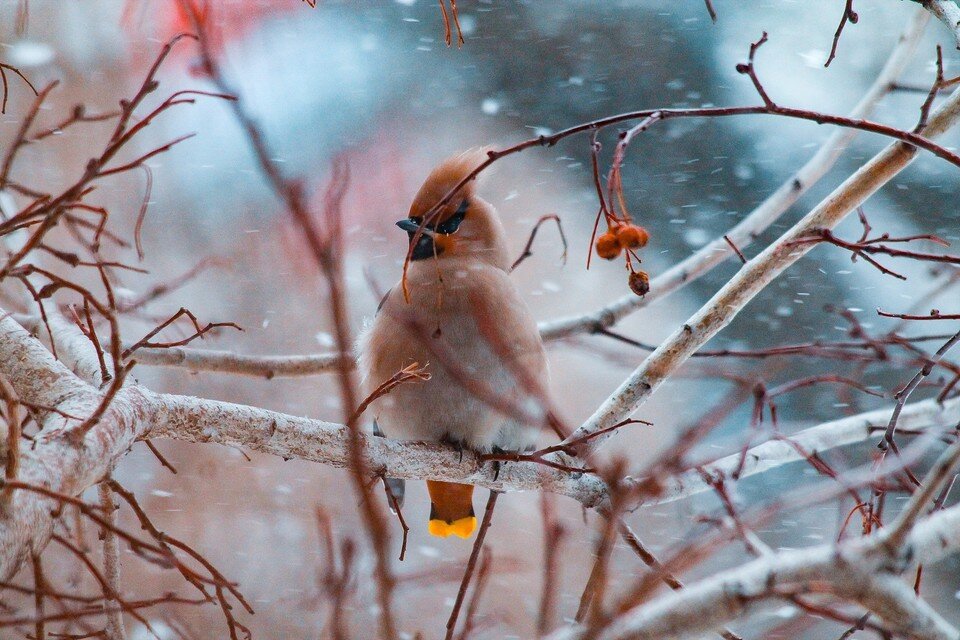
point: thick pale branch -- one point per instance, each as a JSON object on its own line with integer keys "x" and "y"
{"x": 268, "y": 367}
{"x": 139, "y": 413}
{"x": 72, "y": 348}
{"x": 115, "y": 629}
{"x": 724, "y": 306}
{"x": 55, "y": 462}
{"x": 201, "y": 420}
{"x": 948, "y": 13}
{"x": 859, "y": 570}
{"x": 920, "y": 416}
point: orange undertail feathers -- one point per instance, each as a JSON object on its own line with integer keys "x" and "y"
{"x": 451, "y": 509}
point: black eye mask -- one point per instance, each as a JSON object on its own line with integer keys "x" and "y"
{"x": 425, "y": 247}
{"x": 451, "y": 224}
{"x": 448, "y": 226}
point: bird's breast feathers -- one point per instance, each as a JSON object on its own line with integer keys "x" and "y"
{"x": 479, "y": 341}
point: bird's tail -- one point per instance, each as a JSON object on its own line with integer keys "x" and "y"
{"x": 451, "y": 509}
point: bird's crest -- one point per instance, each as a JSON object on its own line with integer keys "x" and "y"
{"x": 447, "y": 175}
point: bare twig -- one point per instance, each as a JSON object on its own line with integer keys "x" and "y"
{"x": 933, "y": 315}
{"x": 848, "y": 15}
{"x": 483, "y": 575}
{"x": 471, "y": 563}
{"x": 199, "y": 332}
{"x": 526, "y": 253}
{"x": 553, "y": 533}
{"x": 904, "y": 394}
{"x": 413, "y": 372}
{"x": 3, "y": 76}
{"x": 711, "y": 10}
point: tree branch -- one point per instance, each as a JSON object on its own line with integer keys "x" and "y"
{"x": 753, "y": 277}
{"x": 919, "y": 416}
{"x": 947, "y": 12}
{"x": 58, "y": 464}
{"x": 268, "y": 367}
{"x": 115, "y": 629}
{"x": 858, "y": 570}
{"x": 138, "y": 413}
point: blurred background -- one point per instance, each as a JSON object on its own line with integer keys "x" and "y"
{"x": 376, "y": 83}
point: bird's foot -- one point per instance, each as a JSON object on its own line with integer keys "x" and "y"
{"x": 496, "y": 463}
{"x": 456, "y": 444}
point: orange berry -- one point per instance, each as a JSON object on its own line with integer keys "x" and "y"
{"x": 608, "y": 247}
{"x": 630, "y": 236}
{"x": 639, "y": 283}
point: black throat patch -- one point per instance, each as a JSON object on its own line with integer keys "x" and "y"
{"x": 425, "y": 246}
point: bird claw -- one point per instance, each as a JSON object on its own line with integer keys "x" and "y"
{"x": 496, "y": 463}
{"x": 456, "y": 444}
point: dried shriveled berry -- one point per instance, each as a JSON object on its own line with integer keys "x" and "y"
{"x": 639, "y": 283}
{"x": 631, "y": 236}
{"x": 608, "y": 247}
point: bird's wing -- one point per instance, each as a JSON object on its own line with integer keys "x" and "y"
{"x": 506, "y": 323}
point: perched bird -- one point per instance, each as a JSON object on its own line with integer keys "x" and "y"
{"x": 466, "y": 318}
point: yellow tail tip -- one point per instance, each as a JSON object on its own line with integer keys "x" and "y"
{"x": 462, "y": 528}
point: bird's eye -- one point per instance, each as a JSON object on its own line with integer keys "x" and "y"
{"x": 451, "y": 224}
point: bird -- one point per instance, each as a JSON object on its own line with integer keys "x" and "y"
{"x": 462, "y": 315}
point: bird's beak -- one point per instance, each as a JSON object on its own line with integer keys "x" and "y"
{"x": 425, "y": 247}
{"x": 411, "y": 226}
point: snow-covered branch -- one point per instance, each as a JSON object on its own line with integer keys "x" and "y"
{"x": 63, "y": 466}
{"x": 269, "y": 367}
{"x": 920, "y": 416}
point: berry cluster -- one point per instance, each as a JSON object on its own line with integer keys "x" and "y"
{"x": 626, "y": 237}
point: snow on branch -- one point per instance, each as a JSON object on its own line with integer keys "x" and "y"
{"x": 57, "y": 463}
{"x": 267, "y": 367}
